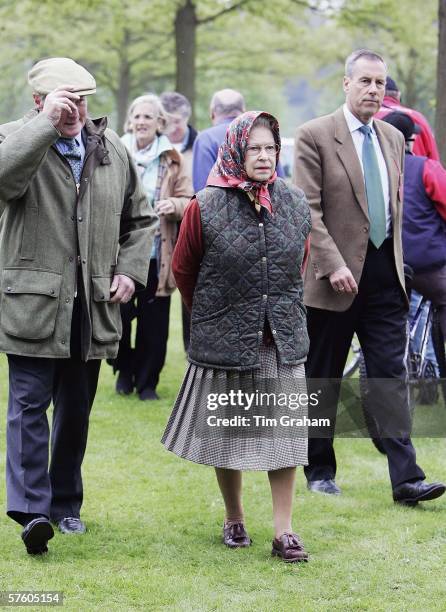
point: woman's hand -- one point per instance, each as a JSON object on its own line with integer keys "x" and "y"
{"x": 164, "y": 207}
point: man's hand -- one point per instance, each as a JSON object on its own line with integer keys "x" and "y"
{"x": 123, "y": 288}
{"x": 59, "y": 100}
{"x": 164, "y": 207}
{"x": 342, "y": 281}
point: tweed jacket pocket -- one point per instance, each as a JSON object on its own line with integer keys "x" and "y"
{"x": 105, "y": 316}
{"x": 29, "y": 302}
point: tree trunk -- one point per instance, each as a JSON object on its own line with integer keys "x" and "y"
{"x": 122, "y": 96}
{"x": 440, "y": 114}
{"x": 122, "y": 93}
{"x": 185, "y": 49}
{"x": 410, "y": 90}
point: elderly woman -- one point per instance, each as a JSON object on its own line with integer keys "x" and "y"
{"x": 168, "y": 189}
{"x": 238, "y": 267}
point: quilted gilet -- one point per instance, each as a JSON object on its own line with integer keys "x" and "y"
{"x": 251, "y": 270}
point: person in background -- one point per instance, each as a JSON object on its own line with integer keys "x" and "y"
{"x": 238, "y": 267}
{"x": 350, "y": 166}
{"x": 168, "y": 189}
{"x": 179, "y": 131}
{"x": 76, "y": 232}
{"x": 424, "y": 218}
{"x": 226, "y": 104}
{"x": 424, "y": 143}
{"x": 182, "y": 135}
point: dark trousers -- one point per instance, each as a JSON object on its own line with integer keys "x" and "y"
{"x": 145, "y": 362}
{"x": 33, "y": 383}
{"x": 378, "y": 315}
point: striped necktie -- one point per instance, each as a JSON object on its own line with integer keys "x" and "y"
{"x": 374, "y": 190}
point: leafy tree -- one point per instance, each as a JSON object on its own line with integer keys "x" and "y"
{"x": 404, "y": 33}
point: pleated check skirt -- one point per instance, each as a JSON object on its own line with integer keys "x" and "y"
{"x": 194, "y": 432}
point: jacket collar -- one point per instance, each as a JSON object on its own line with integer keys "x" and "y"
{"x": 349, "y": 158}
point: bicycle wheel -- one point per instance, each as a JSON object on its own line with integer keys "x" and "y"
{"x": 439, "y": 348}
{"x": 353, "y": 362}
{"x": 427, "y": 385}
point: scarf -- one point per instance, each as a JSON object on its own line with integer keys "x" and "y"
{"x": 144, "y": 158}
{"x": 228, "y": 171}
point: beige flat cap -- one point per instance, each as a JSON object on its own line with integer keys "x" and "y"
{"x": 50, "y": 73}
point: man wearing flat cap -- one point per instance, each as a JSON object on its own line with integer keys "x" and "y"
{"x": 75, "y": 238}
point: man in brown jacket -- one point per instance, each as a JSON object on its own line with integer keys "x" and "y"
{"x": 75, "y": 237}
{"x": 350, "y": 167}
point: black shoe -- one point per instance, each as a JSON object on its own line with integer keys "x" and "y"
{"x": 327, "y": 486}
{"x": 71, "y": 524}
{"x": 410, "y": 493}
{"x": 36, "y": 534}
{"x": 148, "y": 394}
{"x": 124, "y": 384}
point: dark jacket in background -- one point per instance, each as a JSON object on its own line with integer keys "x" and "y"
{"x": 424, "y": 230}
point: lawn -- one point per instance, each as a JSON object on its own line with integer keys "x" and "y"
{"x": 154, "y": 527}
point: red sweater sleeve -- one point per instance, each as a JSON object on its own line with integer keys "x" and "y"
{"x": 188, "y": 253}
{"x": 434, "y": 179}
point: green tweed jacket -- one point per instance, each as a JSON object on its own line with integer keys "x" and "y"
{"x": 52, "y": 231}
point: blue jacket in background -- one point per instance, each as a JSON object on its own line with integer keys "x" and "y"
{"x": 424, "y": 231}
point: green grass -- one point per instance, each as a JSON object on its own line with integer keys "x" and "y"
{"x": 154, "y": 524}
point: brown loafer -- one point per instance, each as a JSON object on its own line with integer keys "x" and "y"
{"x": 289, "y": 548}
{"x": 236, "y": 536}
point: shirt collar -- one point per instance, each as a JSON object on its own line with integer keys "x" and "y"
{"x": 353, "y": 122}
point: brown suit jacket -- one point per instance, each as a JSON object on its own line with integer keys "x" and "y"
{"x": 327, "y": 168}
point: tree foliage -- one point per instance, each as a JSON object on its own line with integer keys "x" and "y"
{"x": 285, "y": 56}
{"x": 405, "y": 32}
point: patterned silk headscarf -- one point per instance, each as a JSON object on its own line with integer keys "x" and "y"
{"x": 229, "y": 171}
